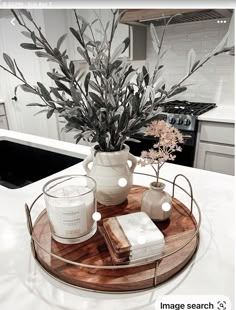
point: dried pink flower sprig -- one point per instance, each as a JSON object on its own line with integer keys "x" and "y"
{"x": 168, "y": 139}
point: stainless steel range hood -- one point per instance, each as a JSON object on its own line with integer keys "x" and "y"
{"x": 144, "y": 17}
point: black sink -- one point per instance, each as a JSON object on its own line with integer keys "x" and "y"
{"x": 21, "y": 165}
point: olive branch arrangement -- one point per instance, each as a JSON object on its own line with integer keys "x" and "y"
{"x": 113, "y": 100}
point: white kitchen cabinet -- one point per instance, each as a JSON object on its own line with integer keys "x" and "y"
{"x": 216, "y": 157}
{"x": 3, "y": 122}
{"x": 215, "y": 147}
{"x": 2, "y": 109}
{"x": 3, "y": 117}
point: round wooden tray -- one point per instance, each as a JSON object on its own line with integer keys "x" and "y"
{"x": 88, "y": 265}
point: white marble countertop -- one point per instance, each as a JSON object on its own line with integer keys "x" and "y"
{"x": 24, "y": 287}
{"x": 223, "y": 114}
{"x": 1, "y": 101}
{"x": 45, "y": 143}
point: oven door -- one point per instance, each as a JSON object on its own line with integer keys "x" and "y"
{"x": 185, "y": 158}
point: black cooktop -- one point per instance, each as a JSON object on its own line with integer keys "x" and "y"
{"x": 186, "y": 107}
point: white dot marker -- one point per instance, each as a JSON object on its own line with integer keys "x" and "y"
{"x": 96, "y": 216}
{"x": 141, "y": 240}
{"x": 12, "y": 21}
{"x": 166, "y": 206}
{"x": 122, "y": 182}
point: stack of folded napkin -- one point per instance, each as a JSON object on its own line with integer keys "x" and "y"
{"x": 132, "y": 238}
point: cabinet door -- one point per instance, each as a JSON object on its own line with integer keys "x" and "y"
{"x": 2, "y": 110}
{"x": 215, "y": 157}
{"x": 217, "y": 132}
{"x": 3, "y": 122}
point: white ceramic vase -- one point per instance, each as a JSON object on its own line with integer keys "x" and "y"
{"x": 156, "y": 202}
{"x": 112, "y": 174}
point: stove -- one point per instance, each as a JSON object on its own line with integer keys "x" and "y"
{"x": 183, "y": 116}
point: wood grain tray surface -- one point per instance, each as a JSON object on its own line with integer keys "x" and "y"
{"x": 177, "y": 231}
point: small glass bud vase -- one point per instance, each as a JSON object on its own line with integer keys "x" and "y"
{"x": 156, "y": 202}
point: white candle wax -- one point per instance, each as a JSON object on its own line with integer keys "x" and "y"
{"x": 71, "y": 212}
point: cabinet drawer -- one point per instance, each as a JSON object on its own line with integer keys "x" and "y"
{"x": 217, "y": 132}
{"x": 3, "y": 122}
{"x": 2, "y": 110}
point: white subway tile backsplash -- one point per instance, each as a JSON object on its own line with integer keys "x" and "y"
{"x": 215, "y": 80}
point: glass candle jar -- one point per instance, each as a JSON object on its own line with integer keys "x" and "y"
{"x": 70, "y": 204}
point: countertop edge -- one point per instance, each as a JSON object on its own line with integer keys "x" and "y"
{"x": 220, "y": 114}
{"x": 217, "y": 120}
{"x": 59, "y": 146}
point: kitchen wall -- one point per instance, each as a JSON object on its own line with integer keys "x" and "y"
{"x": 212, "y": 83}
{"x": 22, "y": 118}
